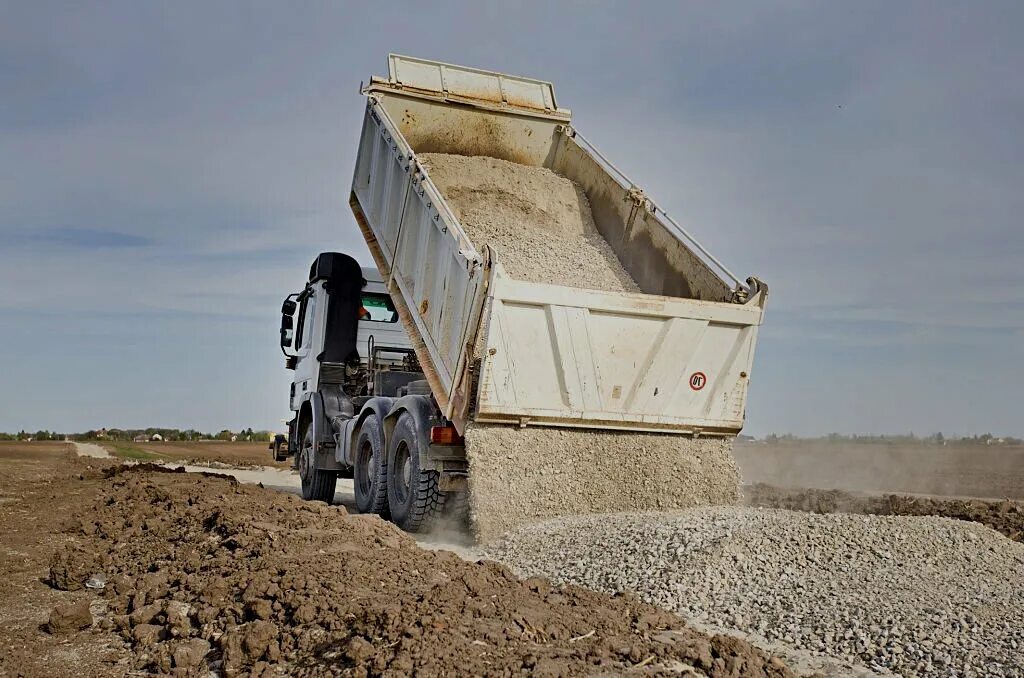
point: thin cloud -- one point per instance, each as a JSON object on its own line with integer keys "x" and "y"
{"x": 79, "y": 239}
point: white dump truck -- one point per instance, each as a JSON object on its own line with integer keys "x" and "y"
{"x": 392, "y": 365}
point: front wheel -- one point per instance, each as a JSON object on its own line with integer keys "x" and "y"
{"x": 316, "y": 485}
{"x": 413, "y": 494}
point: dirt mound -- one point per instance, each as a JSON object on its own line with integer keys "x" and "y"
{"x": 539, "y": 222}
{"x": 1006, "y": 517}
{"x": 205, "y": 573}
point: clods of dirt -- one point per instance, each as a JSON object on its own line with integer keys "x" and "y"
{"x": 69, "y": 618}
{"x": 206, "y": 574}
{"x": 70, "y": 569}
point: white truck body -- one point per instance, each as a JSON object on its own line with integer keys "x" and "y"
{"x": 676, "y": 358}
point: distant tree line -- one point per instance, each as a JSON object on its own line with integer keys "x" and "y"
{"x": 905, "y": 438}
{"x": 129, "y": 434}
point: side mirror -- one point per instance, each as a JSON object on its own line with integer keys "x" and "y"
{"x": 288, "y": 308}
{"x": 286, "y": 330}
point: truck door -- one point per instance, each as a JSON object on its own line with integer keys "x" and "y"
{"x": 306, "y": 343}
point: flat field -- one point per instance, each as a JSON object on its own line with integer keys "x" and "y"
{"x": 199, "y": 452}
{"x": 986, "y": 471}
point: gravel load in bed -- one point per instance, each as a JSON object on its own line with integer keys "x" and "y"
{"x": 919, "y": 596}
{"x": 539, "y": 222}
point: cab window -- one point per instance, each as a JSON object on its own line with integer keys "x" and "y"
{"x": 379, "y": 308}
{"x": 305, "y": 323}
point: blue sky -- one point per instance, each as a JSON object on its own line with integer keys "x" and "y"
{"x": 168, "y": 170}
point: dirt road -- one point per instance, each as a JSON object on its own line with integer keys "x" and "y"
{"x": 202, "y": 572}
{"x": 271, "y": 477}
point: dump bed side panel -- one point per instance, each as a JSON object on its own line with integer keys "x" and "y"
{"x": 432, "y": 271}
{"x": 652, "y": 254}
{"x": 570, "y": 357}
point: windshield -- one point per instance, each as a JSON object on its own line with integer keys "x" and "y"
{"x": 378, "y": 308}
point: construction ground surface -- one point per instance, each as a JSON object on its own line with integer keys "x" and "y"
{"x": 200, "y": 572}
{"x": 115, "y": 569}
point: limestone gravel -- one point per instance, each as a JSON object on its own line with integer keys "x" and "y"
{"x": 920, "y": 596}
{"x": 538, "y": 221}
{"x": 520, "y": 476}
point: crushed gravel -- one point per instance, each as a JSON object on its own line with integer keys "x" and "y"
{"x": 519, "y": 476}
{"x": 920, "y": 596}
{"x": 538, "y": 221}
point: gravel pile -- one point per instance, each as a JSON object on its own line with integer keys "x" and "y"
{"x": 538, "y": 221}
{"x": 916, "y": 595}
{"x": 519, "y": 476}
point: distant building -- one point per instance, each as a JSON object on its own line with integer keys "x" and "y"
{"x": 156, "y": 438}
{"x": 142, "y": 438}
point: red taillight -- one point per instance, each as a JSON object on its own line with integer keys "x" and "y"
{"x": 444, "y": 435}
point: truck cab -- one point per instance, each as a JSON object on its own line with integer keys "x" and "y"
{"x": 361, "y": 406}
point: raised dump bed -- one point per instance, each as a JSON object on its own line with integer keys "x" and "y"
{"x": 675, "y": 357}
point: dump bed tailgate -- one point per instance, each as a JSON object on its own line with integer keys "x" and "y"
{"x": 570, "y": 357}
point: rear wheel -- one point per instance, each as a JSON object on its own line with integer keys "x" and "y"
{"x": 370, "y": 472}
{"x": 316, "y": 485}
{"x": 413, "y": 495}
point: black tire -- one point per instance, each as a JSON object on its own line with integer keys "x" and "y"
{"x": 316, "y": 485}
{"x": 413, "y": 495}
{"x": 370, "y": 471}
{"x": 280, "y": 448}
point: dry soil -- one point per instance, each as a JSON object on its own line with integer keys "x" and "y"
{"x": 200, "y": 573}
{"x": 236, "y": 454}
{"x": 984, "y": 471}
{"x": 1004, "y": 516}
